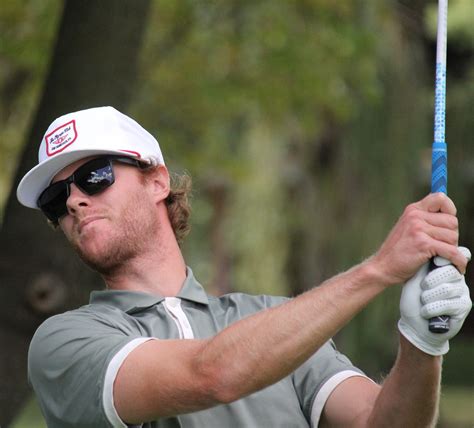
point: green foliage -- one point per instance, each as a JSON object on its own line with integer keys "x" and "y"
{"x": 208, "y": 67}
{"x": 214, "y": 74}
{"x": 27, "y": 32}
{"x": 313, "y": 118}
{"x": 259, "y": 263}
{"x": 460, "y": 19}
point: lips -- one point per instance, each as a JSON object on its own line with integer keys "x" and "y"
{"x": 88, "y": 220}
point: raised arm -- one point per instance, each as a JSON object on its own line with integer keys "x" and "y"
{"x": 179, "y": 376}
{"x": 409, "y": 397}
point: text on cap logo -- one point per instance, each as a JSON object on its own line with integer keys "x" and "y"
{"x": 60, "y": 138}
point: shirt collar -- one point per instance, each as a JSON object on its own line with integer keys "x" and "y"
{"x": 133, "y": 301}
{"x": 192, "y": 290}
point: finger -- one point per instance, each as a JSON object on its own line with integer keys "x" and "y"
{"x": 443, "y": 292}
{"x": 442, "y": 234}
{"x": 438, "y": 219}
{"x": 439, "y": 276}
{"x": 435, "y": 202}
{"x": 451, "y": 307}
{"x": 449, "y": 252}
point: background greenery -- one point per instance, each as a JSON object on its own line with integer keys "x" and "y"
{"x": 306, "y": 126}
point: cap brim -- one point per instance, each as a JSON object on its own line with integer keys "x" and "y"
{"x": 36, "y": 180}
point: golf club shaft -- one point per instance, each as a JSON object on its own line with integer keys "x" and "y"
{"x": 439, "y": 168}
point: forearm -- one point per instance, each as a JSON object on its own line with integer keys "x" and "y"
{"x": 266, "y": 347}
{"x": 410, "y": 395}
{"x": 180, "y": 376}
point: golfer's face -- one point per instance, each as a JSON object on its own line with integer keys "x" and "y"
{"x": 91, "y": 221}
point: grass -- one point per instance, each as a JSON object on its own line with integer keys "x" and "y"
{"x": 457, "y": 407}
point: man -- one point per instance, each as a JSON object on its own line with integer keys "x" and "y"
{"x": 253, "y": 361}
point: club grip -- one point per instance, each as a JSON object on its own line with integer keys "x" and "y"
{"x": 439, "y": 324}
{"x": 439, "y": 168}
{"x": 439, "y": 183}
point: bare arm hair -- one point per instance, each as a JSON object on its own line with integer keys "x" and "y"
{"x": 172, "y": 377}
{"x": 409, "y": 396}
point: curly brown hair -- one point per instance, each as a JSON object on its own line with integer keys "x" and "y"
{"x": 179, "y": 205}
{"x": 177, "y": 202}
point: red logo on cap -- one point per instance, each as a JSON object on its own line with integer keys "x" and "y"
{"x": 131, "y": 152}
{"x": 60, "y": 138}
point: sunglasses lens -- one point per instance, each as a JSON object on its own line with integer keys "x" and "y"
{"x": 94, "y": 176}
{"x": 53, "y": 201}
{"x": 91, "y": 178}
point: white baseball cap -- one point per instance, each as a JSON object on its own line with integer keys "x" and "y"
{"x": 74, "y": 136}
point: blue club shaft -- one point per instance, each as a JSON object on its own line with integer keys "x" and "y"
{"x": 439, "y": 166}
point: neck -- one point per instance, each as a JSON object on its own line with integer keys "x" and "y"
{"x": 160, "y": 270}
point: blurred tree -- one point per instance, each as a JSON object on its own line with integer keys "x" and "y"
{"x": 258, "y": 69}
{"x": 273, "y": 94}
{"x": 26, "y": 39}
{"x": 306, "y": 126}
{"x": 94, "y": 63}
{"x": 313, "y": 121}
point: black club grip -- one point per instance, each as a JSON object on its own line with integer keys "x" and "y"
{"x": 439, "y": 324}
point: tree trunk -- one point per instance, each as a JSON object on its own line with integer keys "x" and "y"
{"x": 94, "y": 63}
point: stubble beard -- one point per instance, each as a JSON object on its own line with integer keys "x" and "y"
{"x": 137, "y": 226}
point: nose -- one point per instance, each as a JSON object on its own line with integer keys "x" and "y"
{"x": 76, "y": 199}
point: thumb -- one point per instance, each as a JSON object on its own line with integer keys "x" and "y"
{"x": 441, "y": 261}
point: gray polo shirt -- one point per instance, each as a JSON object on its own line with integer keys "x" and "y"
{"x": 74, "y": 358}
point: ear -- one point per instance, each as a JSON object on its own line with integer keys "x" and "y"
{"x": 160, "y": 183}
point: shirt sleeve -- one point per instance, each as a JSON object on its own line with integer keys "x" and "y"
{"x": 318, "y": 376}
{"x": 68, "y": 360}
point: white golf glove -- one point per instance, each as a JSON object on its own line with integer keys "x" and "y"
{"x": 442, "y": 291}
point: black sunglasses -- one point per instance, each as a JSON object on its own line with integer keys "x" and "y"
{"x": 91, "y": 178}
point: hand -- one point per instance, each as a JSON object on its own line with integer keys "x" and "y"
{"x": 442, "y": 291}
{"x": 426, "y": 229}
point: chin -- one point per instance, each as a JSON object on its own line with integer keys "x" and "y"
{"x": 104, "y": 251}
{"x": 94, "y": 245}
{"x": 95, "y": 250}
{"x": 99, "y": 258}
